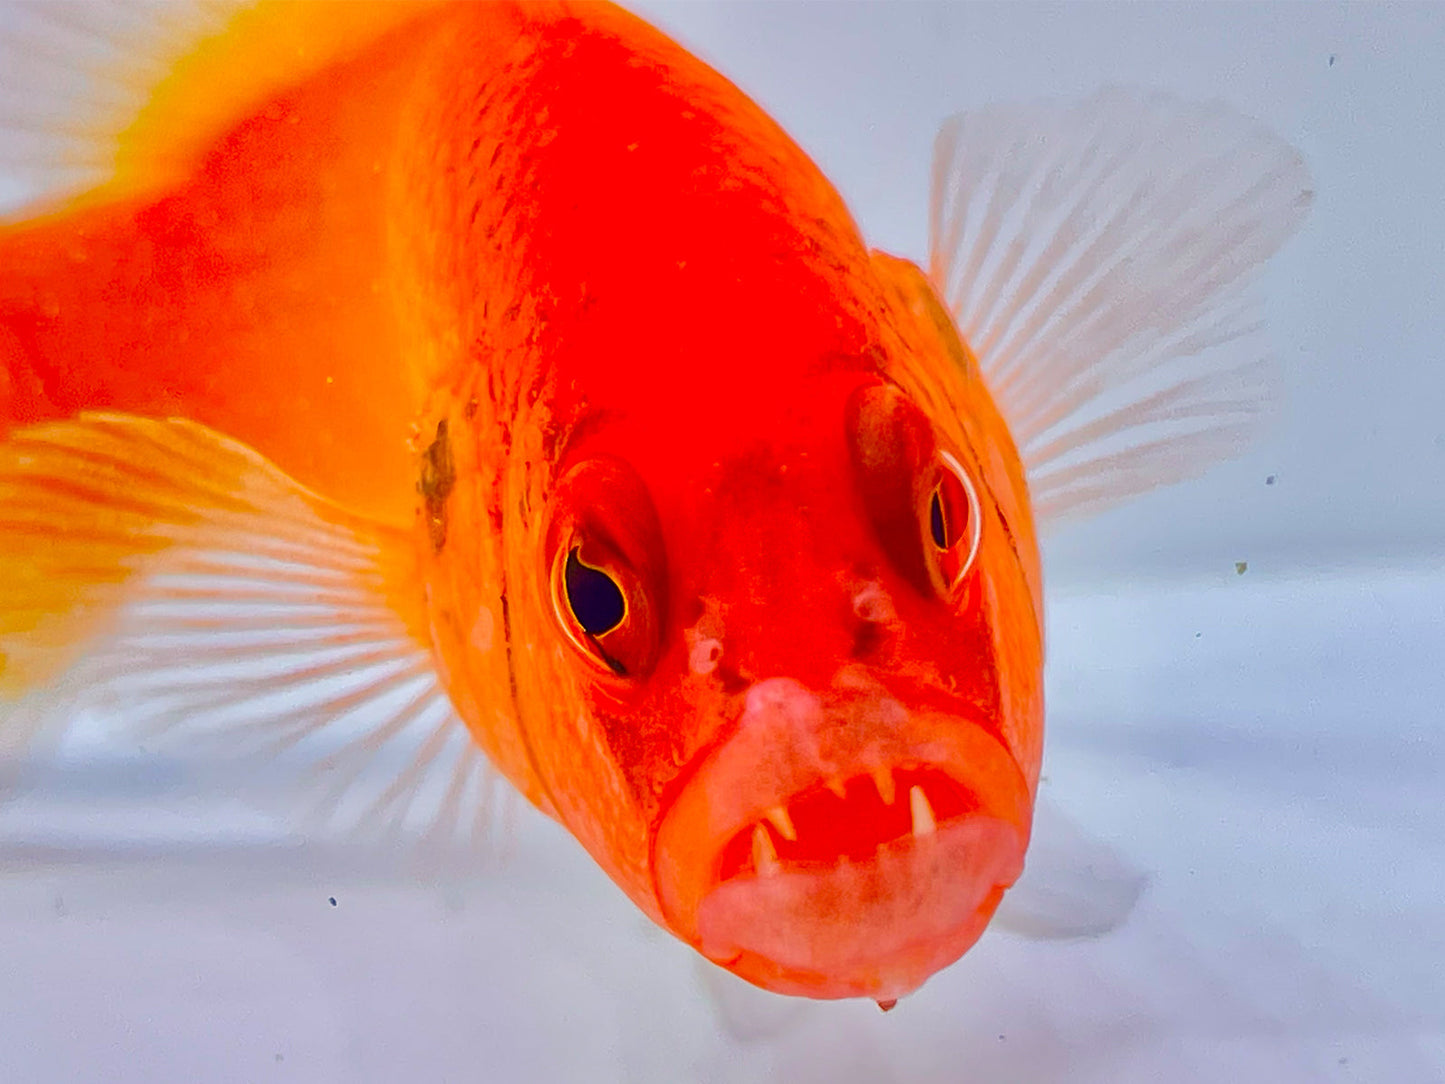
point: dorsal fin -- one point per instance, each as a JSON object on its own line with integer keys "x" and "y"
{"x": 123, "y": 95}
{"x": 1098, "y": 259}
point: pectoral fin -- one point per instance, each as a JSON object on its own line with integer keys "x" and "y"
{"x": 1074, "y": 885}
{"x": 1100, "y": 260}
{"x": 181, "y": 584}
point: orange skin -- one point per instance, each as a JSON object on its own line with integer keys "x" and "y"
{"x": 432, "y": 279}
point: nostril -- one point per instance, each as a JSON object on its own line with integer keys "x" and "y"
{"x": 872, "y": 604}
{"x": 705, "y": 656}
{"x": 873, "y": 607}
{"x": 868, "y": 640}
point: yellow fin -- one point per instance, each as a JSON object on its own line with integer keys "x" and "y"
{"x": 1098, "y": 259}
{"x": 126, "y": 95}
{"x": 179, "y": 584}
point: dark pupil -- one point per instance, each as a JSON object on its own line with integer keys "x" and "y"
{"x": 594, "y": 596}
{"x": 936, "y": 521}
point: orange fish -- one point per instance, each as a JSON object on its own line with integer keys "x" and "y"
{"x": 412, "y": 388}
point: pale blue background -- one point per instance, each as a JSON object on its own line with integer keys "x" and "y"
{"x": 1267, "y": 746}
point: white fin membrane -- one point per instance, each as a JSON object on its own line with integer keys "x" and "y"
{"x": 241, "y": 616}
{"x": 1098, "y": 258}
{"x": 74, "y": 75}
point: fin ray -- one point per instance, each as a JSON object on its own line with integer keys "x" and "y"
{"x": 207, "y": 604}
{"x": 1100, "y": 260}
{"x": 117, "y": 92}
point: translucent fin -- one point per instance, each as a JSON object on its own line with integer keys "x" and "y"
{"x": 76, "y": 75}
{"x": 1098, "y": 259}
{"x": 175, "y": 582}
{"x": 1074, "y": 885}
{"x": 94, "y": 92}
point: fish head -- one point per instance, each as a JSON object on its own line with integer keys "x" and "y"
{"x": 806, "y": 676}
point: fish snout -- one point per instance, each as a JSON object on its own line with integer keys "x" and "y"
{"x": 841, "y": 844}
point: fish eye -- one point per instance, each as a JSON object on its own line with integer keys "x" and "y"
{"x": 593, "y": 596}
{"x": 607, "y": 569}
{"x": 922, "y": 503}
{"x": 954, "y": 523}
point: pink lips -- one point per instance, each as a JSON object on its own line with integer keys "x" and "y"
{"x": 844, "y": 848}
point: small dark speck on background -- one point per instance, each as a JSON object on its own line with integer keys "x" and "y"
{"x": 1241, "y": 567}
{"x": 280, "y": 1058}
{"x": 1332, "y": 60}
{"x": 331, "y": 900}
{"x": 1197, "y": 635}
{"x": 1344, "y": 1061}
{"x": 1269, "y": 479}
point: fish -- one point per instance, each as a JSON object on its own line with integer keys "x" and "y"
{"x": 415, "y": 392}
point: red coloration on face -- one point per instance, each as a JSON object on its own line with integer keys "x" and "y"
{"x": 725, "y": 403}
{"x": 837, "y": 676}
{"x": 785, "y": 401}
{"x": 787, "y": 405}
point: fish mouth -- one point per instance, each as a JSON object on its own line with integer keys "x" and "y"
{"x": 841, "y": 846}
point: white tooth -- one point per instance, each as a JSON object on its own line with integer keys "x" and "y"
{"x": 836, "y": 786}
{"x": 782, "y": 822}
{"x": 923, "y": 824}
{"x": 883, "y": 780}
{"x": 765, "y": 857}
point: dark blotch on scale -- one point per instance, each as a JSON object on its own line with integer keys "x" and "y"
{"x": 438, "y": 477}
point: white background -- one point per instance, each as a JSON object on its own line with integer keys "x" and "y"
{"x": 1266, "y": 746}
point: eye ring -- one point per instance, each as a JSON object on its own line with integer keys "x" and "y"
{"x": 586, "y": 609}
{"x": 605, "y": 567}
{"x": 953, "y": 549}
{"x": 593, "y": 596}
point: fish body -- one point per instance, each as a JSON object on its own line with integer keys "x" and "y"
{"x": 533, "y": 348}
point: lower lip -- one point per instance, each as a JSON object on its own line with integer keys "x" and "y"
{"x": 874, "y": 929}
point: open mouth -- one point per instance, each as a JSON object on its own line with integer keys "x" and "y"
{"x": 845, "y": 848}
{"x": 846, "y": 820}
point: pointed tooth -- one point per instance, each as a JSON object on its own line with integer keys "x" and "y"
{"x": 835, "y": 784}
{"x": 779, "y": 819}
{"x": 883, "y": 780}
{"x": 765, "y": 857}
{"x": 887, "y": 1003}
{"x": 923, "y": 824}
